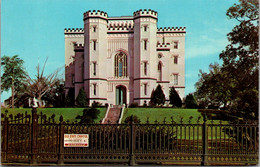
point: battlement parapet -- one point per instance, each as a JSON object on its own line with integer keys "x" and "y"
{"x": 171, "y": 29}
{"x": 121, "y": 27}
{"x": 95, "y": 13}
{"x": 162, "y": 45}
{"x": 74, "y": 30}
{"x": 145, "y": 12}
{"x": 78, "y": 46}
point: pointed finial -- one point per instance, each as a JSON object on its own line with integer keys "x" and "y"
{"x": 190, "y": 118}
{"x": 181, "y": 121}
{"x": 147, "y": 120}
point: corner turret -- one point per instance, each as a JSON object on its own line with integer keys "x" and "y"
{"x": 95, "y": 14}
{"x": 145, "y": 13}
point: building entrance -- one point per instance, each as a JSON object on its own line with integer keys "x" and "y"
{"x": 120, "y": 95}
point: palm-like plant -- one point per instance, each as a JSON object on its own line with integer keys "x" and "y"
{"x": 39, "y": 86}
{"x": 14, "y": 75}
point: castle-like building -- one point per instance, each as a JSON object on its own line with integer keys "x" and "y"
{"x": 120, "y": 60}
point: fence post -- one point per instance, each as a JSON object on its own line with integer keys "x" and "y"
{"x": 205, "y": 141}
{"x": 61, "y": 144}
{"x": 132, "y": 146}
{"x": 34, "y": 128}
{"x": 5, "y": 139}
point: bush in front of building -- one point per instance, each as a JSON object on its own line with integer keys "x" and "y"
{"x": 157, "y": 97}
{"x": 133, "y": 118}
{"x": 81, "y": 100}
{"x": 175, "y": 99}
{"x": 190, "y": 101}
{"x": 89, "y": 115}
{"x": 133, "y": 105}
{"x": 69, "y": 99}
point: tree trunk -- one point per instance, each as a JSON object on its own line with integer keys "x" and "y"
{"x": 12, "y": 93}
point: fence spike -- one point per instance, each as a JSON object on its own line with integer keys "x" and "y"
{"x": 181, "y": 121}
{"x": 198, "y": 121}
{"x": 190, "y": 118}
{"x": 61, "y": 119}
{"x": 156, "y": 122}
{"x": 164, "y": 120}
{"x": 147, "y": 120}
{"x": 220, "y": 121}
{"x": 99, "y": 121}
{"x": 212, "y": 121}
{"x": 172, "y": 120}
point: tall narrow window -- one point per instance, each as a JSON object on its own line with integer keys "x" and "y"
{"x": 94, "y": 44}
{"x": 145, "y": 89}
{"x": 120, "y": 68}
{"x": 175, "y": 59}
{"x": 120, "y": 65}
{"x": 73, "y": 79}
{"x": 160, "y": 71}
{"x": 145, "y": 28}
{"x": 175, "y": 45}
{"x": 94, "y": 28}
{"x": 145, "y": 68}
{"x": 94, "y": 89}
{"x": 94, "y": 68}
{"x": 175, "y": 79}
{"x": 145, "y": 44}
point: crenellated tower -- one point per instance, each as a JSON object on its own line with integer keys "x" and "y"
{"x": 95, "y": 82}
{"x": 145, "y": 29}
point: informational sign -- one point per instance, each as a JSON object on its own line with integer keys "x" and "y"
{"x": 75, "y": 140}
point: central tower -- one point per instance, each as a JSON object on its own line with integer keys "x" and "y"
{"x": 145, "y": 58}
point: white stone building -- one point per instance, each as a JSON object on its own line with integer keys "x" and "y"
{"x": 120, "y": 60}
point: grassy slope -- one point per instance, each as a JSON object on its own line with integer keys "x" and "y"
{"x": 67, "y": 113}
{"x": 160, "y": 113}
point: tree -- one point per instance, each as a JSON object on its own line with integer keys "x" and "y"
{"x": 175, "y": 99}
{"x": 56, "y": 95}
{"x": 39, "y": 86}
{"x": 241, "y": 59}
{"x": 69, "y": 99}
{"x": 190, "y": 101}
{"x": 81, "y": 99}
{"x": 213, "y": 88}
{"x": 235, "y": 84}
{"x": 157, "y": 96}
{"x": 13, "y": 76}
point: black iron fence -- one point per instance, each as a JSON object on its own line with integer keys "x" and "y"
{"x": 36, "y": 139}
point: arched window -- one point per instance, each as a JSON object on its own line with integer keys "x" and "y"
{"x": 120, "y": 65}
{"x": 160, "y": 71}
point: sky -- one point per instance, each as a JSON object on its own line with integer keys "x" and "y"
{"x": 34, "y": 29}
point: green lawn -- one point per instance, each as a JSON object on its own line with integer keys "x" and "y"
{"x": 160, "y": 113}
{"x": 142, "y": 113}
{"x": 67, "y": 113}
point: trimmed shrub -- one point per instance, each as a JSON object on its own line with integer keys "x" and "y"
{"x": 157, "y": 96}
{"x": 89, "y": 115}
{"x": 81, "y": 100}
{"x": 175, "y": 99}
{"x": 69, "y": 99}
{"x": 136, "y": 120}
{"x": 133, "y": 105}
{"x": 190, "y": 101}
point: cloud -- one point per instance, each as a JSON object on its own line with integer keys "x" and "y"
{"x": 206, "y": 46}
